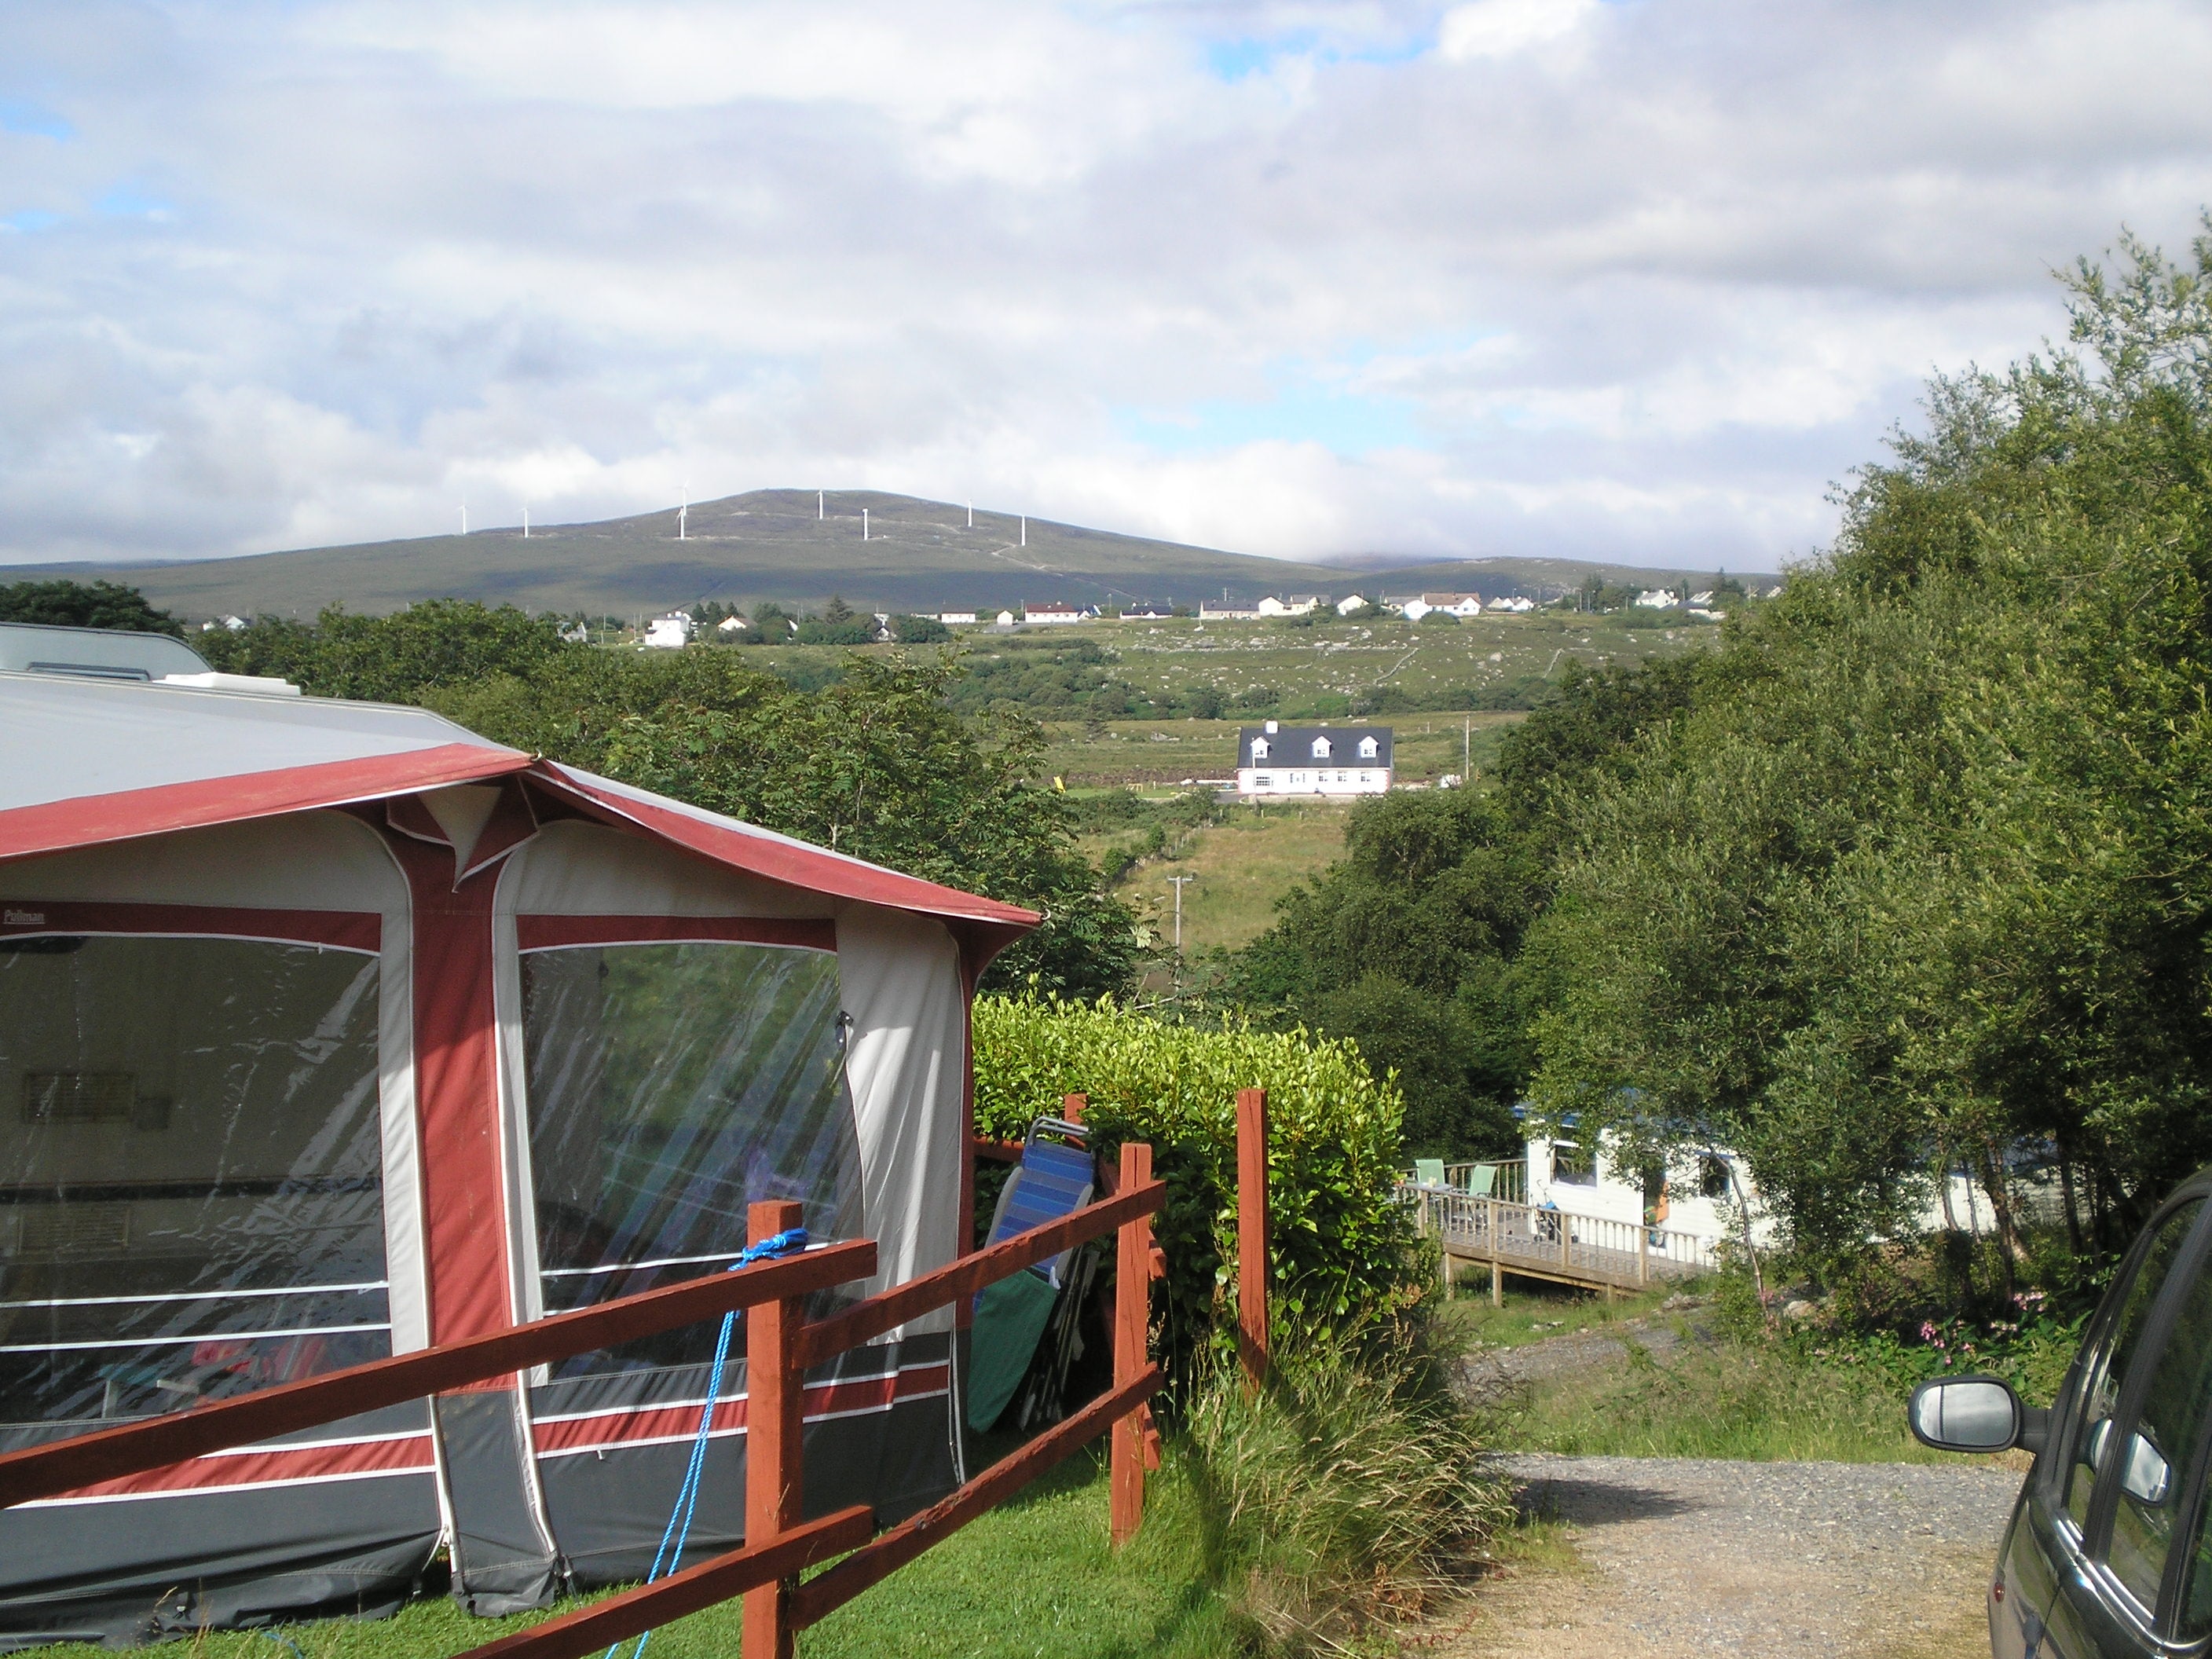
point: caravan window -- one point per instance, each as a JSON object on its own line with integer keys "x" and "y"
{"x": 671, "y": 1085}
{"x": 190, "y": 1188}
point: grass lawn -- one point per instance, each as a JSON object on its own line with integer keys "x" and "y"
{"x": 1034, "y": 1578}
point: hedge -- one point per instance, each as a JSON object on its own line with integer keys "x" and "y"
{"x": 1339, "y": 1248}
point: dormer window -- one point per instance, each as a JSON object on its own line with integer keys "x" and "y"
{"x": 1259, "y": 749}
{"x": 1321, "y": 749}
{"x": 1368, "y": 749}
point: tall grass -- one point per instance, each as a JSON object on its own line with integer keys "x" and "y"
{"x": 1735, "y": 1398}
{"x": 1339, "y": 1501}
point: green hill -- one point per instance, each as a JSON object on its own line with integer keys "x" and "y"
{"x": 781, "y": 545}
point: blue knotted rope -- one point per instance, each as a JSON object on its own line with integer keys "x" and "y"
{"x": 687, "y": 1496}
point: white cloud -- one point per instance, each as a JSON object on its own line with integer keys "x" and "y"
{"x": 1499, "y": 28}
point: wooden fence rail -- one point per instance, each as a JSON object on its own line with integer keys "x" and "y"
{"x": 780, "y": 1345}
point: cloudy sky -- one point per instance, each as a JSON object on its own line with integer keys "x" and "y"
{"x": 1623, "y": 278}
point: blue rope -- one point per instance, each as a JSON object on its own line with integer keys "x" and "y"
{"x": 686, "y": 1495}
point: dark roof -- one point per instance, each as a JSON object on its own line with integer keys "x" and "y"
{"x": 1293, "y": 745}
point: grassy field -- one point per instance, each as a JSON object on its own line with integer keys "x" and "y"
{"x": 1034, "y": 1579}
{"x": 1157, "y": 755}
{"x": 1710, "y": 1396}
{"x": 1239, "y": 659}
{"x": 1240, "y": 866}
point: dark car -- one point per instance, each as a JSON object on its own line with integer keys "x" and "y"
{"x": 2108, "y": 1553}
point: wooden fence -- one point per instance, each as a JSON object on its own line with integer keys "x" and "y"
{"x": 1537, "y": 1243}
{"x": 780, "y": 1345}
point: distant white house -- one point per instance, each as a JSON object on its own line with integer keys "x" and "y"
{"x": 1656, "y": 598}
{"x": 1299, "y": 604}
{"x": 1517, "y": 604}
{"x": 1706, "y": 597}
{"x": 1275, "y": 759}
{"x": 1698, "y": 1193}
{"x": 1226, "y": 613}
{"x": 1350, "y": 605}
{"x": 581, "y": 634}
{"x": 669, "y": 633}
{"x": 1452, "y": 605}
{"x": 1147, "y": 612}
{"x": 1056, "y": 612}
{"x": 235, "y": 624}
{"x": 731, "y": 624}
{"x": 1005, "y": 619}
{"x": 955, "y": 619}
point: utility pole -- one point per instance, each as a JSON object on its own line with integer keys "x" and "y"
{"x": 971, "y": 516}
{"x": 465, "y": 515}
{"x": 820, "y": 512}
{"x": 864, "y": 524}
{"x": 1176, "y": 881}
{"x": 1026, "y": 530}
{"x": 525, "y": 521}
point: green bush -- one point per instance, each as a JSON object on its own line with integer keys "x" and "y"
{"x": 1339, "y": 1246}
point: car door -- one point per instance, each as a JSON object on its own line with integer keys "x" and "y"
{"x": 2122, "y": 1482}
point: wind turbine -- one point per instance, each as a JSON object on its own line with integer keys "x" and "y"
{"x": 684, "y": 513}
{"x": 525, "y": 521}
{"x": 465, "y": 515}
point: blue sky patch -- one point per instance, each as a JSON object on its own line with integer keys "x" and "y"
{"x": 1302, "y": 411}
{"x": 21, "y": 115}
{"x": 1231, "y": 61}
{"x": 125, "y": 202}
{"x": 30, "y": 220}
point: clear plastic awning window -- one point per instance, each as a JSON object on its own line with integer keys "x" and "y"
{"x": 671, "y": 1086}
{"x": 190, "y": 1181}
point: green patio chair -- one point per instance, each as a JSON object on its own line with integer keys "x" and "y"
{"x": 1429, "y": 1171}
{"x": 1481, "y": 1180}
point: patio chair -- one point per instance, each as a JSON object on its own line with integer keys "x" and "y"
{"x": 1056, "y": 1177}
{"x": 1428, "y": 1172}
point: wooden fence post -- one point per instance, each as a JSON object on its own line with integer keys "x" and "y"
{"x": 1497, "y": 1282}
{"x": 1132, "y": 1314}
{"x": 1252, "y": 1235}
{"x": 774, "y": 1419}
{"x": 1072, "y": 1106}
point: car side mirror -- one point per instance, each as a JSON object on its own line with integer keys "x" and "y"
{"x": 1973, "y": 1414}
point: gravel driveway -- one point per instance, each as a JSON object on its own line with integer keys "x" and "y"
{"x": 1840, "y": 1560}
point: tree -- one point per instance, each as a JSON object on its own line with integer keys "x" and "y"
{"x": 919, "y": 630}
{"x": 1922, "y": 869}
{"x": 65, "y": 604}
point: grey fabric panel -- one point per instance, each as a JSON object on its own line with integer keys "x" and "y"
{"x": 139, "y": 1569}
{"x": 609, "y": 1508}
{"x": 503, "y": 1561}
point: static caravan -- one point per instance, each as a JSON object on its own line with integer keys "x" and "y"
{"x": 330, "y": 1030}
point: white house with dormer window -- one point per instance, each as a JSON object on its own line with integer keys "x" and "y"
{"x": 1275, "y": 759}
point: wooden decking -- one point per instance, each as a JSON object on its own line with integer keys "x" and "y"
{"x": 1550, "y": 1244}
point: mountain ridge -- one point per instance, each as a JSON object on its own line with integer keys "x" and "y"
{"x": 797, "y": 547}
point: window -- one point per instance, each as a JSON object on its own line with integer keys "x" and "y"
{"x": 1571, "y": 1166}
{"x": 2162, "y": 1446}
{"x": 1368, "y": 749}
{"x": 1263, "y": 779}
{"x": 1259, "y": 749}
{"x": 670, "y": 1086}
{"x": 1321, "y": 751}
{"x": 191, "y": 1191}
{"x": 1713, "y": 1181}
{"x": 2098, "y": 1397}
